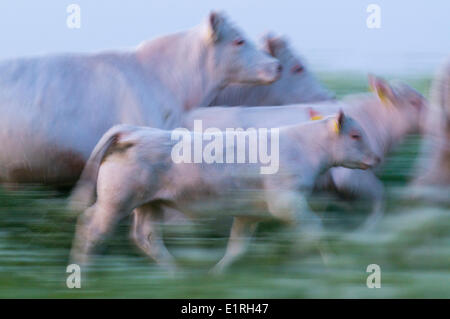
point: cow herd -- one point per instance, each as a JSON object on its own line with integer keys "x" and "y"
{"x": 106, "y": 122}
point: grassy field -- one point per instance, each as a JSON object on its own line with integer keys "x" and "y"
{"x": 411, "y": 245}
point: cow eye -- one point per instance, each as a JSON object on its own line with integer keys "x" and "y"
{"x": 355, "y": 136}
{"x": 238, "y": 42}
{"x": 297, "y": 68}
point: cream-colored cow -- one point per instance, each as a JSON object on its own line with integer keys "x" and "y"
{"x": 133, "y": 168}
{"x": 54, "y": 109}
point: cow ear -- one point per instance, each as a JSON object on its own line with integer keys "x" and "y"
{"x": 215, "y": 25}
{"x": 274, "y": 44}
{"x": 314, "y": 115}
{"x": 382, "y": 89}
{"x": 413, "y": 97}
{"x": 337, "y": 122}
{"x": 340, "y": 119}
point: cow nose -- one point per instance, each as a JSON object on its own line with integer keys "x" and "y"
{"x": 279, "y": 68}
{"x": 271, "y": 71}
{"x": 377, "y": 160}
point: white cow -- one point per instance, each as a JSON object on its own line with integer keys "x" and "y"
{"x": 53, "y": 109}
{"x": 133, "y": 168}
{"x": 433, "y": 177}
{"x": 296, "y": 85}
{"x": 386, "y": 116}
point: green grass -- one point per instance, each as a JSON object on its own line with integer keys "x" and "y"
{"x": 411, "y": 244}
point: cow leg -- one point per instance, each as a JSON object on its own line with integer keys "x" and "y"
{"x": 377, "y": 211}
{"x": 292, "y": 208}
{"x": 362, "y": 185}
{"x": 240, "y": 235}
{"x": 147, "y": 235}
{"x": 174, "y": 216}
{"x": 93, "y": 226}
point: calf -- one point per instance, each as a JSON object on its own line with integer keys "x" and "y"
{"x": 387, "y": 115}
{"x": 133, "y": 168}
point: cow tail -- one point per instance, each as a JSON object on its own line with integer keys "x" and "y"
{"x": 84, "y": 192}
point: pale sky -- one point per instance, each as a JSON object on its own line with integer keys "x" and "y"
{"x": 332, "y": 35}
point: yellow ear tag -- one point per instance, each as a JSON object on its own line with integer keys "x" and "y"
{"x": 381, "y": 94}
{"x": 314, "y": 115}
{"x": 383, "y": 98}
{"x": 335, "y": 127}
